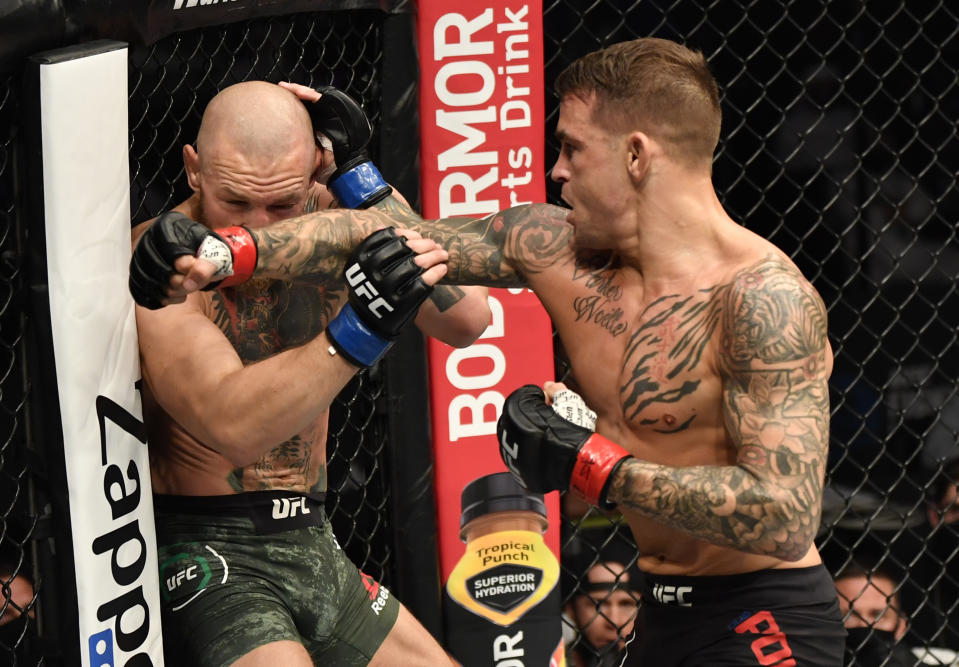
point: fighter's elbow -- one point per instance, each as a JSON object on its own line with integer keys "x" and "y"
{"x": 466, "y": 333}
{"x": 468, "y": 324}
{"x": 795, "y": 532}
{"x": 234, "y": 444}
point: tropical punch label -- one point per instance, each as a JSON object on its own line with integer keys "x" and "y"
{"x": 502, "y": 606}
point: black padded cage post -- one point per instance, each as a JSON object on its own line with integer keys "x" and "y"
{"x": 413, "y": 509}
{"x": 53, "y": 542}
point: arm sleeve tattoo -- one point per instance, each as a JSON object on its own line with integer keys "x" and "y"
{"x": 775, "y": 363}
{"x": 497, "y": 251}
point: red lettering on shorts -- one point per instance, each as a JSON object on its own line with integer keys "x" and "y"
{"x": 770, "y": 648}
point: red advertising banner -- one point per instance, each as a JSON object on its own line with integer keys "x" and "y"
{"x": 467, "y": 390}
{"x": 482, "y": 151}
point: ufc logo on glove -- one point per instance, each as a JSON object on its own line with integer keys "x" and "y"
{"x": 361, "y": 286}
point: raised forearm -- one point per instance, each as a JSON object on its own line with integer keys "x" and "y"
{"x": 500, "y": 250}
{"x": 725, "y": 505}
{"x": 314, "y": 246}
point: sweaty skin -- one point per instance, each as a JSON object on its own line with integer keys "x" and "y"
{"x": 699, "y": 344}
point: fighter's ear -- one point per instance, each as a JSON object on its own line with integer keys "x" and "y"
{"x": 191, "y": 162}
{"x": 638, "y": 154}
{"x": 317, "y": 165}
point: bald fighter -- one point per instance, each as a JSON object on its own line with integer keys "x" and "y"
{"x": 237, "y": 388}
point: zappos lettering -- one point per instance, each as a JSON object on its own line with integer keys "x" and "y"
{"x": 128, "y": 613}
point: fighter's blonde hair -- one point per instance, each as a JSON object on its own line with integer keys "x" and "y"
{"x": 654, "y": 85}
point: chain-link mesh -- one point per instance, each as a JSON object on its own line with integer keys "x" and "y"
{"x": 839, "y": 145}
{"x": 17, "y": 523}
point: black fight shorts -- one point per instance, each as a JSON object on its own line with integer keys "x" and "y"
{"x": 769, "y": 618}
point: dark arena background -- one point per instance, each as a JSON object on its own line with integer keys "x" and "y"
{"x": 839, "y": 145}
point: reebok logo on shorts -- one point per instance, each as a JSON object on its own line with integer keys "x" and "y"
{"x": 378, "y": 594}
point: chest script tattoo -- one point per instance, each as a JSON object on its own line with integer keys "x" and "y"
{"x": 599, "y": 308}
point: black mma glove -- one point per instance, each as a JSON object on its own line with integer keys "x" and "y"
{"x": 546, "y": 453}
{"x": 357, "y": 183}
{"x": 173, "y": 234}
{"x": 386, "y": 289}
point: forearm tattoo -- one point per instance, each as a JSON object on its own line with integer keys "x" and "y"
{"x": 497, "y": 251}
{"x": 505, "y": 248}
{"x": 445, "y": 297}
{"x": 774, "y": 364}
{"x": 313, "y": 247}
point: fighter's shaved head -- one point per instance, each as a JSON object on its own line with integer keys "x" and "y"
{"x": 255, "y": 156}
{"x": 255, "y": 118}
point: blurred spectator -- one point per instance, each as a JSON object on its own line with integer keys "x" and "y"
{"x": 940, "y": 566}
{"x": 872, "y": 614}
{"x": 603, "y": 601}
{"x": 876, "y": 623}
{"x": 16, "y": 597}
{"x": 942, "y": 506}
{"x": 17, "y": 601}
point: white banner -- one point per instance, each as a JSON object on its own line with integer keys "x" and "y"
{"x": 83, "y": 102}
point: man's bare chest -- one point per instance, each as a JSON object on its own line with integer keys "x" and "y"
{"x": 660, "y": 367}
{"x": 269, "y": 316}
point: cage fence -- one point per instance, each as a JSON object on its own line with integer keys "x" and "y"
{"x": 839, "y": 145}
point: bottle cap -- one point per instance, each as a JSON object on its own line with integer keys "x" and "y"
{"x": 498, "y": 492}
